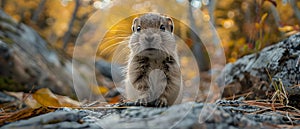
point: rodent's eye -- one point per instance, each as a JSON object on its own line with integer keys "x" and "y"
{"x": 162, "y": 27}
{"x": 138, "y": 28}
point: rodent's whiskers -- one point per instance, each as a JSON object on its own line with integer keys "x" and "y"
{"x": 123, "y": 31}
{"x": 135, "y": 42}
{"x": 108, "y": 39}
{"x": 113, "y": 45}
{"x": 164, "y": 49}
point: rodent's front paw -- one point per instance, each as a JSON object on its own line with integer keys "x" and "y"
{"x": 161, "y": 102}
{"x": 141, "y": 102}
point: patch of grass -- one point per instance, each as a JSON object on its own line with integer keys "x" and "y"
{"x": 280, "y": 92}
{"x": 7, "y": 40}
{"x": 8, "y": 20}
{"x": 10, "y": 84}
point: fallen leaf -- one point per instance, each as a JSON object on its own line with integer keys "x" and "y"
{"x": 99, "y": 89}
{"x": 67, "y": 102}
{"x": 286, "y": 28}
{"x": 115, "y": 99}
{"x": 46, "y": 98}
{"x": 103, "y": 90}
{"x": 31, "y": 102}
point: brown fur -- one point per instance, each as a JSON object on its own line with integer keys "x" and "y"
{"x": 153, "y": 70}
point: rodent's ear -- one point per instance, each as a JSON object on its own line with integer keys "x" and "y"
{"x": 170, "y": 24}
{"x": 134, "y": 22}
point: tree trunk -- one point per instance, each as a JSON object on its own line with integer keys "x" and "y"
{"x": 3, "y": 4}
{"x": 198, "y": 48}
{"x": 38, "y": 11}
{"x": 69, "y": 31}
{"x": 296, "y": 10}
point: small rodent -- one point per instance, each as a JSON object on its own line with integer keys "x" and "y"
{"x": 153, "y": 71}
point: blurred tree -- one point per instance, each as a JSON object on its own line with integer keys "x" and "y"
{"x": 293, "y": 3}
{"x": 243, "y": 29}
{"x": 58, "y": 21}
{"x": 38, "y": 11}
{"x": 2, "y": 2}
{"x": 237, "y": 21}
{"x": 71, "y": 24}
{"x": 198, "y": 49}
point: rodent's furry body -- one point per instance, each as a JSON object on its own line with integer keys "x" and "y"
{"x": 153, "y": 70}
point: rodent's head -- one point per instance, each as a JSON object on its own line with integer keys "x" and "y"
{"x": 152, "y": 31}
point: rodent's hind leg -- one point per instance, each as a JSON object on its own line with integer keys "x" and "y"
{"x": 161, "y": 102}
{"x": 141, "y": 102}
{"x": 143, "y": 92}
{"x": 143, "y": 99}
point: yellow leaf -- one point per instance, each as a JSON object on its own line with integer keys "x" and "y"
{"x": 286, "y": 28}
{"x": 103, "y": 90}
{"x": 31, "y": 102}
{"x": 232, "y": 60}
{"x": 67, "y": 102}
{"x": 46, "y": 98}
{"x": 99, "y": 89}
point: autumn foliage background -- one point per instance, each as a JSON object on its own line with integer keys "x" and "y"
{"x": 244, "y": 26}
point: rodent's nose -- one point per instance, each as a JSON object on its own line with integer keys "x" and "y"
{"x": 149, "y": 39}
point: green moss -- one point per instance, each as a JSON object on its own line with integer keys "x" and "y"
{"x": 7, "y": 29}
{"x": 7, "y": 40}
{"x": 10, "y": 84}
{"x": 7, "y": 20}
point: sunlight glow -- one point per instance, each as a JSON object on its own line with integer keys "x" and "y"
{"x": 228, "y": 23}
{"x": 196, "y": 3}
{"x": 65, "y": 2}
{"x": 205, "y": 2}
{"x": 101, "y": 4}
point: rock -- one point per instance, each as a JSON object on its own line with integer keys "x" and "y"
{"x": 60, "y": 119}
{"x": 4, "y": 98}
{"x": 105, "y": 68}
{"x": 222, "y": 114}
{"x": 28, "y": 63}
{"x": 250, "y": 73}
